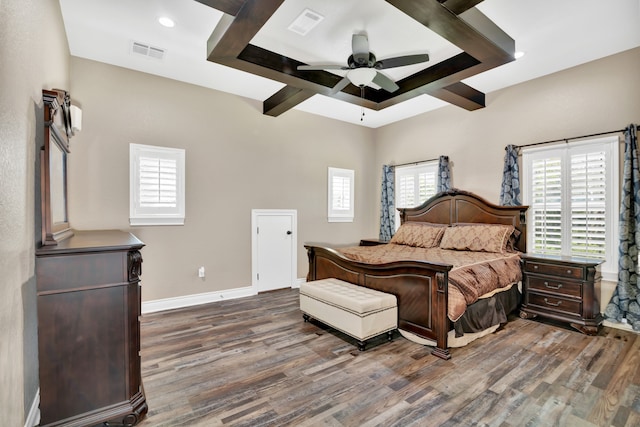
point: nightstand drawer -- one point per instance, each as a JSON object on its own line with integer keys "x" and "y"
{"x": 554, "y": 270}
{"x": 551, "y": 285}
{"x": 553, "y": 303}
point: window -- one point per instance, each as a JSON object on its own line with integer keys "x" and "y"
{"x": 572, "y": 193}
{"x": 341, "y": 184}
{"x": 156, "y": 181}
{"x": 414, "y": 185}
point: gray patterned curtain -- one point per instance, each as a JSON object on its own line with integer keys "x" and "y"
{"x": 510, "y": 191}
{"x": 444, "y": 174}
{"x": 387, "y": 204}
{"x": 625, "y": 303}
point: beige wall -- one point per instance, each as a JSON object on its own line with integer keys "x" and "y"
{"x": 595, "y": 97}
{"x": 236, "y": 158}
{"x": 34, "y": 56}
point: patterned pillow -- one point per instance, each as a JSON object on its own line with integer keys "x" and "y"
{"x": 477, "y": 237}
{"x": 419, "y": 234}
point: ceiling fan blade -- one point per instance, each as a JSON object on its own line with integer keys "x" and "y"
{"x": 322, "y": 67}
{"x": 360, "y": 48}
{"x": 385, "y": 82}
{"x": 400, "y": 61}
{"x": 341, "y": 85}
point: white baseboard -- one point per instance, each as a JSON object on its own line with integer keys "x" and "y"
{"x": 616, "y": 325}
{"x": 204, "y": 298}
{"x": 33, "y": 418}
{"x": 195, "y": 299}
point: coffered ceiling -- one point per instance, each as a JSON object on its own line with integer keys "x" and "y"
{"x": 244, "y": 47}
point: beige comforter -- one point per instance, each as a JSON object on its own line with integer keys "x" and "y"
{"x": 473, "y": 274}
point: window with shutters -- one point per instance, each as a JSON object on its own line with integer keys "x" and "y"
{"x": 340, "y": 197}
{"x": 156, "y": 180}
{"x": 414, "y": 185}
{"x": 572, "y": 193}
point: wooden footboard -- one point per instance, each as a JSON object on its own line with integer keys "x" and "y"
{"x": 421, "y": 289}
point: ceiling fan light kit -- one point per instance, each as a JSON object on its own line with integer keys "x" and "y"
{"x": 361, "y": 76}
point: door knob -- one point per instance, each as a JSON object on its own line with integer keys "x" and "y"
{"x": 289, "y": 232}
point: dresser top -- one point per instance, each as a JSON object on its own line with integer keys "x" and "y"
{"x": 93, "y": 241}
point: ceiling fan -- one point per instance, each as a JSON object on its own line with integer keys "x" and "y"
{"x": 363, "y": 67}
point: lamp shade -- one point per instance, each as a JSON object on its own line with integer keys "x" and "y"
{"x": 361, "y": 76}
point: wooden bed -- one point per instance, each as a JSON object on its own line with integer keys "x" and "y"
{"x": 421, "y": 287}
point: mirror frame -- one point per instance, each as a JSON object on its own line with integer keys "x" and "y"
{"x": 57, "y": 131}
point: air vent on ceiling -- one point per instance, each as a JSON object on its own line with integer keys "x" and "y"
{"x": 304, "y": 23}
{"x": 146, "y": 50}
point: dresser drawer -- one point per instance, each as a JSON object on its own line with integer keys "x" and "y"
{"x": 557, "y": 287}
{"x": 569, "y": 271}
{"x": 555, "y": 304}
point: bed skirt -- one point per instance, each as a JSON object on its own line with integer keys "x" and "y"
{"x": 481, "y": 318}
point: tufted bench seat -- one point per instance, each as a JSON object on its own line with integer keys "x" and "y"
{"x": 359, "y": 312}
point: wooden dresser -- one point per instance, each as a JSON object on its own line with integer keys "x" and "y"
{"x": 89, "y": 330}
{"x": 562, "y": 288}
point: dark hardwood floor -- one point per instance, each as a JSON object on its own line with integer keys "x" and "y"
{"x": 253, "y": 362}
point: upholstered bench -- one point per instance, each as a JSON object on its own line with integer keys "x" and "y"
{"x": 359, "y": 312}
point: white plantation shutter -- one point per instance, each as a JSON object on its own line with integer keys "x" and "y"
{"x": 415, "y": 184}
{"x": 158, "y": 182}
{"x": 156, "y": 185}
{"x": 572, "y": 193}
{"x": 588, "y": 204}
{"x": 427, "y": 184}
{"x": 405, "y": 191}
{"x": 546, "y": 205}
{"x": 341, "y": 200}
{"x": 340, "y": 195}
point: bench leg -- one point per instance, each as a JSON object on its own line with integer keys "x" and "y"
{"x": 306, "y": 317}
{"x": 390, "y": 336}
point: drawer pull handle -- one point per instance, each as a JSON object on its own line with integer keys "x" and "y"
{"x": 569, "y": 271}
{"x": 558, "y": 286}
{"x": 552, "y": 304}
{"x": 535, "y": 267}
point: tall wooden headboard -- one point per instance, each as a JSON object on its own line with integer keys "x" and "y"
{"x": 457, "y": 206}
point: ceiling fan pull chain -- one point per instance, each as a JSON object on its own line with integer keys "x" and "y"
{"x": 362, "y": 106}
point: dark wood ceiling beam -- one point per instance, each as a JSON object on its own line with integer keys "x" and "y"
{"x": 433, "y": 15}
{"x": 461, "y": 95}
{"x": 485, "y": 46}
{"x": 284, "y": 100}
{"x": 230, "y": 7}
{"x": 248, "y": 21}
{"x": 460, "y": 6}
{"x": 485, "y": 27}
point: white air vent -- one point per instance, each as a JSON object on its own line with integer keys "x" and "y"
{"x": 146, "y": 50}
{"x": 304, "y": 23}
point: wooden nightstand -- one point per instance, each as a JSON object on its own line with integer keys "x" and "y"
{"x": 562, "y": 288}
{"x": 372, "y": 242}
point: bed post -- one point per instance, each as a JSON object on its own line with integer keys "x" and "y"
{"x": 311, "y": 275}
{"x": 441, "y": 319}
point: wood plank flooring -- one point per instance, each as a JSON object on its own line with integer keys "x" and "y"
{"x": 254, "y": 362}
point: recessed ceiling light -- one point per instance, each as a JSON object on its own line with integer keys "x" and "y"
{"x": 166, "y": 22}
{"x": 518, "y": 54}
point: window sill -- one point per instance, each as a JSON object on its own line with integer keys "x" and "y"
{"x": 339, "y": 219}
{"x": 135, "y": 222}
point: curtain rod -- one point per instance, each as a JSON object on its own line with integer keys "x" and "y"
{"x": 416, "y": 163}
{"x": 572, "y": 138}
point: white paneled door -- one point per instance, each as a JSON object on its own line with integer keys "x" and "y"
{"x": 274, "y": 249}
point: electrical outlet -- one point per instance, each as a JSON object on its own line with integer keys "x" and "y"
{"x": 201, "y": 272}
